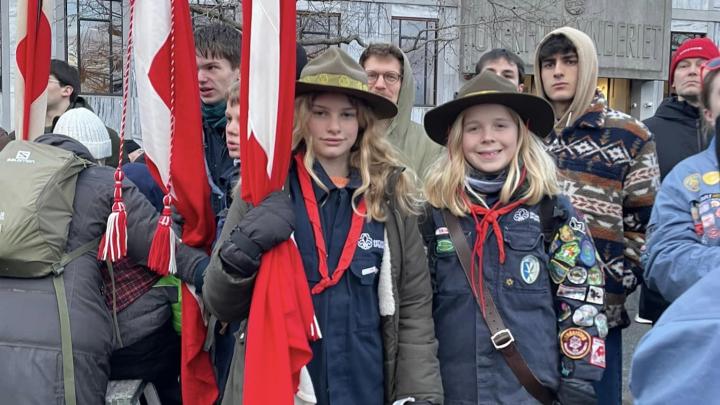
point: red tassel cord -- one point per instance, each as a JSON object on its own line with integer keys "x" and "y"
{"x": 161, "y": 258}
{"x": 113, "y": 245}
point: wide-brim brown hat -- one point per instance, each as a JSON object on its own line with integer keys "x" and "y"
{"x": 335, "y": 71}
{"x": 489, "y": 88}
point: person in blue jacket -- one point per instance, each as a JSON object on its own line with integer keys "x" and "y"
{"x": 685, "y": 221}
{"x": 494, "y": 179}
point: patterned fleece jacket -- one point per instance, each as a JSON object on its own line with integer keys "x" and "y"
{"x": 609, "y": 168}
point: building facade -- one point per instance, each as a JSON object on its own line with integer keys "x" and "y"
{"x": 443, "y": 39}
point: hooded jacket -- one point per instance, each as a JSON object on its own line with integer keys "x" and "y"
{"x": 416, "y": 149}
{"x": 608, "y": 166}
{"x": 30, "y": 347}
{"x": 679, "y": 132}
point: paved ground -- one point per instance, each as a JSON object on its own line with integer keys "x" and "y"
{"x": 631, "y": 336}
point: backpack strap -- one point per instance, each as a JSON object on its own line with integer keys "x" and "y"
{"x": 64, "y": 315}
{"x": 500, "y": 336}
{"x": 552, "y": 216}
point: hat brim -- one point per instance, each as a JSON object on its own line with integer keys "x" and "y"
{"x": 382, "y": 107}
{"x": 535, "y": 112}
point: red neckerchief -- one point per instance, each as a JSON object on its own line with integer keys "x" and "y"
{"x": 313, "y": 212}
{"x": 490, "y": 217}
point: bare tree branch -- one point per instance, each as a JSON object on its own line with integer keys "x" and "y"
{"x": 213, "y": 13}
{"x": 334, "y": 41}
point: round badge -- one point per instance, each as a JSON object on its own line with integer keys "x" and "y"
{"x": 587, "y": 253}
{"x": 558, "y": 271}
{"x": 601, "y": 325}
{"x": 711, "y": 178}
{"x": 566, "y": 234}
{"x": 530, "y": 269}
{"x": 565, "y": 311}
{"x": 585, "y": 315}
{"x": 595, "y": 276}
{"x": 577, "y": 275}
{"x": 575, "y": 343}
{"x": 692, "y": 182}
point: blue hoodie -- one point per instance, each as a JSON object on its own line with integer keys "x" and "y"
{"x": 676, "y": 256}
{"x": 675, "y": 360}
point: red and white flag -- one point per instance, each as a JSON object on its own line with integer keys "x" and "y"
{"x": 281, "y": 314}
{"x": 171, "y": 122}
{"x": 33, "y": 66}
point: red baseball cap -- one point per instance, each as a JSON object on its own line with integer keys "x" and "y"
{"x": 693, "y": 48}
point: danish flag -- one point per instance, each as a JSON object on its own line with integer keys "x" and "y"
{"x": 33, "y": 65}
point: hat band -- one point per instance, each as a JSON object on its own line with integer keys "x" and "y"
{"x": 330, "y": 79}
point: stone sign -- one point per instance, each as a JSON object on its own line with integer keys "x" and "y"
{"x": 632, "y": 37}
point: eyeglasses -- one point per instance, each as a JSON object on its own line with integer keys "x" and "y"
{"x": 389, "y": 77}
{"x": 709, "y": 66}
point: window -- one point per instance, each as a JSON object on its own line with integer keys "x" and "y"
{"x": 417, "y": 38}
{"x": 95, "y": 44}
{"x": 317, "y": 26}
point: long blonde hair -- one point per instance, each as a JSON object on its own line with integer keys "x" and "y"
{"x": 373, "y": 157}
{"x": 445, "y": 184}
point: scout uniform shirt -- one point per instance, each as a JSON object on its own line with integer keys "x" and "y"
{"x": 347, "y": 363}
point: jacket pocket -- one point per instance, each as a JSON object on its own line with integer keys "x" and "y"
{"x": 364, "y": 294}
{"x": 525, "y": 267}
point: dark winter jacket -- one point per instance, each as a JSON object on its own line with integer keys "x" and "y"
{"x": 409, "y": 347}
{"x": 679, "y": 132}
{"x": 219, "y": 163}
{"x": 31, "y": 366}
{"x": 550, "y": 296}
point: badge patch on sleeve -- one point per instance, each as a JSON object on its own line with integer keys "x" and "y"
{"x": 530, "y": 269}
{"x": 575, "y": 343}
{"x": 585, "y": 315}
{"x": 595, "y": 276}
{"x": 597, "y": 353}
{"x": 601, "y": 325}
{"x": 574, "y": 293}
{"x": 577, "y": 275}
{"x": 565, "y": 311}
{"x": 595, "y": 295}
{"x": 692, "y": 182}
{"x": 444, "y": 246}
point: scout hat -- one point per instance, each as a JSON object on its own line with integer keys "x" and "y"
{"x": 489, "y": 88}
{"x": 335, "y": 71}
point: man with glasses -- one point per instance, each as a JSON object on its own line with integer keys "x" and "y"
{"x": 390, "y": 75}
{"x": 679, "y": 132}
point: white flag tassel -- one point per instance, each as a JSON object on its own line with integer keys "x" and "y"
{"x": 113, "y": 245}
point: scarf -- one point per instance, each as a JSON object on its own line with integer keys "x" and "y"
{"x": 214, "y": 114}
{"x": 485, "y": 218}
{"x": 485, "y": 184}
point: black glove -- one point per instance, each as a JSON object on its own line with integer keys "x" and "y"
{"x": 261, "y": 229}
{"x": 576, "y": 392}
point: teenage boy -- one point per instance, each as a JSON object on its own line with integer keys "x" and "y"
{"x": 503, "y": 63}
{"x": 609, "y": 168}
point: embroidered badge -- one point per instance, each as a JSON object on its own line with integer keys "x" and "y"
{"x": 692, "y": 182}
{"x": 568, "y": 253}
{"x": 574, "y": 293}
{"x": 444, "y": 246}
{"x": 587, "y": 253}
{"x": 442, "y": 231}
{"x": 565, "y": 311}
{"x": 595, "y": 276}
{"x": 576, "y": 225}
{"x": 369, "y": 270}
{"x": 521, "y": 215}
{"x": 711, "y": 178}
{"x": 566, "y": 234}
{"x": 575, "y": 343}
{"x": 585, "y": 315}
{"x": 530, "y": 269}
{"x": 597, "y": 353}
{"x": 601, "y": 325}
{"x": 365, "y": 242}
{"x": 577, "y": 275}
{"x": 595, "y": 295}
{"x": 558, "y": 271}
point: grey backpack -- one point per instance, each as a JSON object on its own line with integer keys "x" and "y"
{"x": 36, "y": 206}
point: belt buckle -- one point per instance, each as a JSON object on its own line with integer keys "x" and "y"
{"x": 502, "y": 339}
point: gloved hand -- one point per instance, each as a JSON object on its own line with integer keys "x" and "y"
{"x": 261, "y": 229}
{"x": 573, "y": 391}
